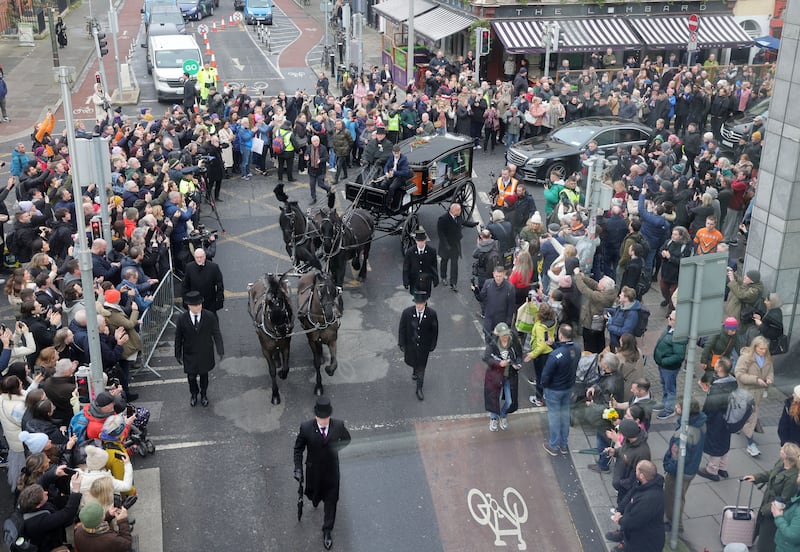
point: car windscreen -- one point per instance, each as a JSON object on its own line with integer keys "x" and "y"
{"x": 258, "y": 3}
{"x": 169, "y": 59}
{"x": 574, "y": 135}
{"x": 758, "y": 109}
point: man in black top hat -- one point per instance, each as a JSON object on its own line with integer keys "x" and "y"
{"x": 417, "y": 336}
{"x": 322, "y": 438}
{"x": 420, "y": 272}
{"x": 196, "y": 336}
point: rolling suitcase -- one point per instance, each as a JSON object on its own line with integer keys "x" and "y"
{"x": 739, "y": 522}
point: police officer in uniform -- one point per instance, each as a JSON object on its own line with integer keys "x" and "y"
{"x": 417, "y": 336}
{"x": 420, "y": 272}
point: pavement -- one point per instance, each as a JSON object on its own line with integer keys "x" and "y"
{"x": 28, "y": 72}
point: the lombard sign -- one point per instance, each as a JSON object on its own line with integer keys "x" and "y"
{"x": 610, "y": 8}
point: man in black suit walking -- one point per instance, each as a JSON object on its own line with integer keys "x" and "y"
{"x": 196, "y": 335}
{"x": 420, "y": 272}
{"x": 204, "y": 277}
{"x": 417, "y": 336}
{"x": 449, "y": 229}
{"x": 322, "y": 438}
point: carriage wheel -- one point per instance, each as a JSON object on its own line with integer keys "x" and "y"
{"x": 465, "y": 195}
{"x": 409, "y": 227}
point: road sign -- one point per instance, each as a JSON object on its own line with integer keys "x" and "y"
{"x": 191, "y": 67}
{"x": 202, "y": 29}
{"x": 237, "y": 16}
{"x": 707, "y": 273}
{"x": 692, "y": 46}
{"x": 693, "y": 23}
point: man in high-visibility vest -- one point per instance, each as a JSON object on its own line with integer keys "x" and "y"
{"x": 505, "y": 189}
{"x": 206, "y": 78}
{"x": 393, "y": 125}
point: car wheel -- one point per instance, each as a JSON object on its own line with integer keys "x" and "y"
{"x": 558, "y": 166}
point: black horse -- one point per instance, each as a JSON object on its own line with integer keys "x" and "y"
{"x": 299, "y": 236}
{"x": 272, "y": 314}
{"x": 343, "y": 238}
{"x": 319, "y": 309}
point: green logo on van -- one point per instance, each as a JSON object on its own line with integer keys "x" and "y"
{"x": 191, "y": 67}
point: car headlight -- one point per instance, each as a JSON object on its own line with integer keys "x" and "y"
{"x": 535, "y": 162}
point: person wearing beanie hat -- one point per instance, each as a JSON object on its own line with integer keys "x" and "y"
{"x": 36, "y": 442}
{"x": 633, "y": 450}
{"x": 503, "y": 358}
{"x": 94, "y": 533}
{"x": 321, "y": 439}
{"x": 116, "y": 318}
{"x": 744, "y": 296}
{"x": 108, "y": 463}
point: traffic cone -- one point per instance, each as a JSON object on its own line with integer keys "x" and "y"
{"x": 214, "y": 27}
{"x": 222, "y": 23}
{"x": 230, "y": 21}
{"x": 213, "y": 60}
{"x": 205, "y": 39}
{"x": 208, "y": 49}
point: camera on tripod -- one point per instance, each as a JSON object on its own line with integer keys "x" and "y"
{"x": 201, "y": 236}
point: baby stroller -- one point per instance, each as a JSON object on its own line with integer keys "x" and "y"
{"x": 137, "y": 441}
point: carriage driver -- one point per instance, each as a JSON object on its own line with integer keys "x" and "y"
{"x": 397, "y": 173}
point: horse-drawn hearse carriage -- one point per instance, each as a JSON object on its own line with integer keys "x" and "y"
{"x": 442, "y": 167}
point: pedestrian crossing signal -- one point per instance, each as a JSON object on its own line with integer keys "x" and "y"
{"x": 484, "y": 42}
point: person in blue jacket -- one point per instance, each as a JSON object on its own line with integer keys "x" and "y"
{"x": 624, "y": 318}
{"x": 397, "y": 173}
{"x": 655, "y": 229}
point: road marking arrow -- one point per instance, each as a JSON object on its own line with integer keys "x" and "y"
{"x": 236, "y": 64}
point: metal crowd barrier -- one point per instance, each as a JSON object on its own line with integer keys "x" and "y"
{"x": 156, "y": 319}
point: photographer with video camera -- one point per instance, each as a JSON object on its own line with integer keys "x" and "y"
{"x": 211, "y": 155}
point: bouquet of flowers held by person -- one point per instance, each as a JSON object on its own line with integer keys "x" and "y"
{"x": 611, "y": 415}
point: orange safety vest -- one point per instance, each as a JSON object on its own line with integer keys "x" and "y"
{"x": 504, "y": 191}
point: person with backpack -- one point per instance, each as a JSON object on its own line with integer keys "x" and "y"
{"x": 487, "y": 256}
{"x": 44, "y": 526}
{"x": 754, "y": 372}
{"x": 283, "y": 145}
{"x": 678, "y": 247}
{"x": 624, "y": 318}
{"x": 718, "y": 435}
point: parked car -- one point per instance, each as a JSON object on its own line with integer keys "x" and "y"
{"x": 196, "y": 9}
{"x": 739, "y": 125}
{"x": 561, "y": 150}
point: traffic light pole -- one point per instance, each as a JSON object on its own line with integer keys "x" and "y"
{"x": 478, "y": 50}
{"x": 84, "y": 255}
{"x": 102, "y": 70}
{"x": 114, "y": 24}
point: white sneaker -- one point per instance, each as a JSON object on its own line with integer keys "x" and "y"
{"x": 492, "y": 425}
{"x": 503, "y": 424}
{"x": 752, "y": 449}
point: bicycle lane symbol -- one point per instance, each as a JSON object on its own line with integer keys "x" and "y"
{"x": 505, "y": 520}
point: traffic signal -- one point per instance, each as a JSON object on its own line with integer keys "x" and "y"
{"x": 97, "y": 231}
{"x": 102, "y": 43}
{"x": 97, "y": 78}
{"x": 82, "y": 383}
{"x": 484, "y": 42}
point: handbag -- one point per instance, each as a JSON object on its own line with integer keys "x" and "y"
{"x": 258, "y": 145}
{"x": 526, "y": 316}
{"x": 598, "y": 323}
{"x": 779, "y": 346}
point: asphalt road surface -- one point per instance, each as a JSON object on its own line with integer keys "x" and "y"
{"x": 424, "y": 476}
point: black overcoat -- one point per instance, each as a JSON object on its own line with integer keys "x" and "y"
{"x": 195, "y": 347}
{"x": 420, "y": 272}
{"x": 206, "y": 280}
{"x": 417, "y": 338}
{"x": 322, "y": 458}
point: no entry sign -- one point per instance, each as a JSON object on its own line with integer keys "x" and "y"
{"x": 694, "y": 23}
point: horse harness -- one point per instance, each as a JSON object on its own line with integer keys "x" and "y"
{"x": 304, "y": 310}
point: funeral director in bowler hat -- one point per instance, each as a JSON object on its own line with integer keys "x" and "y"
{"x": 196, "y": 335}
{"x": 322, "y": 438}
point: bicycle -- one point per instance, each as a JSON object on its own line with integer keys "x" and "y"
{"x": 91, "y": 24}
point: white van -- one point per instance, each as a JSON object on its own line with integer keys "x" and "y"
{"x": 166, "y": 55}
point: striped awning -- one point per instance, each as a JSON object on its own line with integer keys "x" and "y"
{"x": 716, "y": 31}
{"x": 440, "y": 23}
{"x": 397, "y": 10}
{"x": 576, "y": 35}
